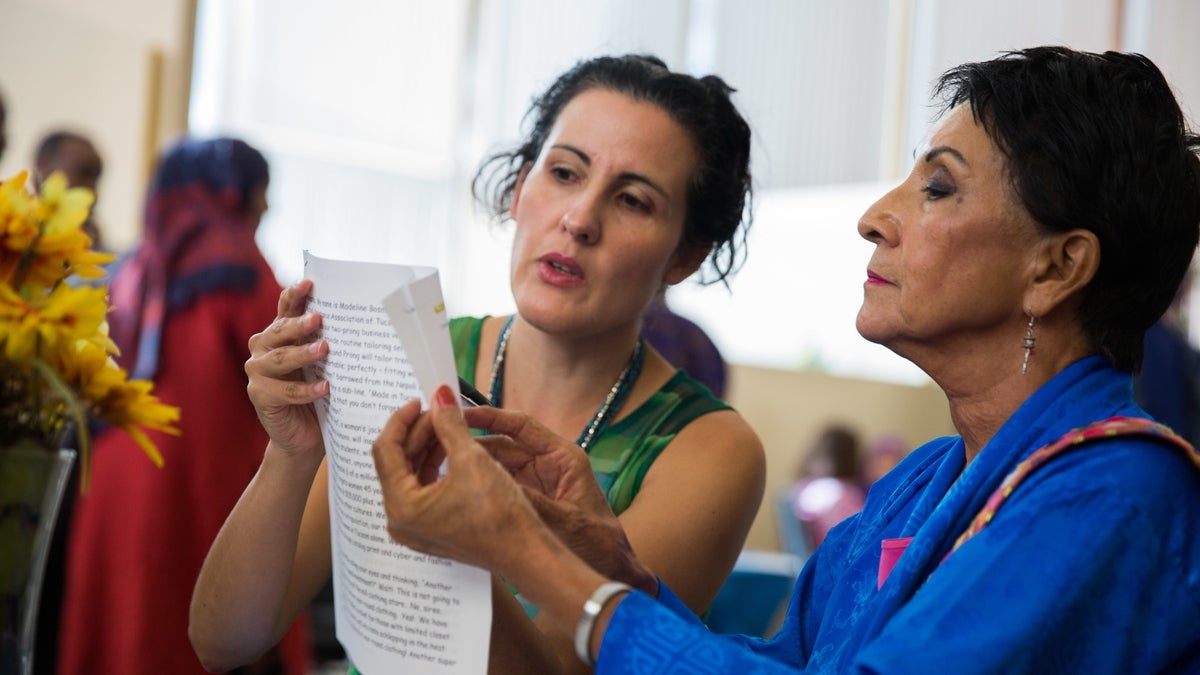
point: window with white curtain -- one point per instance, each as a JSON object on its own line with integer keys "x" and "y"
{"x": 358, "y": 106}
{"x": 374, "y": 114}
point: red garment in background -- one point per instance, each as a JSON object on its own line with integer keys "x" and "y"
{"x": 139, "y": 536}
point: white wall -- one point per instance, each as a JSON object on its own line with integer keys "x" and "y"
{"x": 116, "y": 71}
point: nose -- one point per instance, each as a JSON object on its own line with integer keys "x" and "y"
{"x": 582, "y": 219}
{"x": 880, "y": 223}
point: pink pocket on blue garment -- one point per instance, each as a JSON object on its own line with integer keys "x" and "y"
{"x": 889, "y": 555}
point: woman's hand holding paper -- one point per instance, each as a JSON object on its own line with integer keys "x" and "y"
{"x": 281, "y": 397}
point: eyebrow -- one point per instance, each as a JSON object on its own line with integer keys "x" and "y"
{"x": 624, "y": 175}
{"x": 934, "y": 152}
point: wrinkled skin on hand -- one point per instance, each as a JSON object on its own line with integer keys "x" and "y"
{"x": 527, "y": 482}
{"x": 459, "y": 515}
{"x": 558, "y": 481}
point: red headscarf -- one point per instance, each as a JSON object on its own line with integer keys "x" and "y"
{"x": 199, "y": 238}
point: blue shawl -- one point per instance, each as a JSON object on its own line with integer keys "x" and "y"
{"x": 1093, "y": 565}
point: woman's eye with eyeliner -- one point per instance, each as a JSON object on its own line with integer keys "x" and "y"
{"x": 936, "y": 191}
{"x": 939, "y": 185}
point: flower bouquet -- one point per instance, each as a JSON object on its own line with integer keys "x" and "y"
{"x": 56, "y": 359}
{"x": 56, "y": 372}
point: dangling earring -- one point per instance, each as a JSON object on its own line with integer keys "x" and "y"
{"x": 1027, "y": 343}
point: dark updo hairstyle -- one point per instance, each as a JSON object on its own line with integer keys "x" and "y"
{"x": 1096, "y": 142}
{"x": 719, "y": 196}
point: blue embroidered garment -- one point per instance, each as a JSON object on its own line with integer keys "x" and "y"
{"x": 1093, "y": 565}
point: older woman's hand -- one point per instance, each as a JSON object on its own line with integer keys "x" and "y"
{"x": 475, "y": 513}
{"x": 281, "y": 397}
{"x": 559, "y": 483}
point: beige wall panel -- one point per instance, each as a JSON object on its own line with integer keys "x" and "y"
{"x": 789, "y": 409}
{"x": 87, "y": 66}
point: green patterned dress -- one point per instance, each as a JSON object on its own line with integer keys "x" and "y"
{"x": 623, "y": 452}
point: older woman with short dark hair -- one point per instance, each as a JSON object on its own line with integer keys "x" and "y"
{"x": 1045, "y": 227}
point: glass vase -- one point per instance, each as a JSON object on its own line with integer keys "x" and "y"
{"x": 32, "y": 483}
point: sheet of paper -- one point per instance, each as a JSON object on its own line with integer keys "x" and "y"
{"x": 396, "y": 610}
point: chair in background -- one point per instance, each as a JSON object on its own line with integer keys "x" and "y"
{"x": 755, "y": 594}
{"x": 794, "y": 537}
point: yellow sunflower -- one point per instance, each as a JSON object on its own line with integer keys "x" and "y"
{"x": 35, "y": 328}
{"x": 55, "y": 352}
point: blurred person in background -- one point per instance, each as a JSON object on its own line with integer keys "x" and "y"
{"x": 1169, "y": 385}
{"x": 76, "y": 156}
{"x": 881, "y": 456}
{"x": 186, "y": 300}
{"x": 827, "y": 489}
{"x": 684, "y": 344}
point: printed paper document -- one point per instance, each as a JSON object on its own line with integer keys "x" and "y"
{"x": 396, "y": 610}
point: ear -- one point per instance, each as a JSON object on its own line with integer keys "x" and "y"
{"x": 516, "y": 198}
{"x": 1065, "y": 265}
{"x": 686, "y": 260}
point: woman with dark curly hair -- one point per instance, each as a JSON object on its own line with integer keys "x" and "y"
{"x": 630, "y": 177}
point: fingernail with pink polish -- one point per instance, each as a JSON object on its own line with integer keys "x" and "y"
{"x": 445, "y": 396}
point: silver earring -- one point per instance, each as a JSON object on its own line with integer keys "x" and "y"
{"x": 1027, "y": 343}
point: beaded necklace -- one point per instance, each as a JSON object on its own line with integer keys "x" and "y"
{"x": 612, "y": 402}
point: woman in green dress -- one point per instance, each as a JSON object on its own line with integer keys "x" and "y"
{"x": 629, "y": 179}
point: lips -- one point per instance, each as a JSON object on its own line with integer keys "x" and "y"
{"x": 873, "y": 279}
{"x": 560, "y": 270}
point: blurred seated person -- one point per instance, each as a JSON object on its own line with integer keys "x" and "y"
{"x": 684, "y": 344}
{"x": 77, "y": 158}
{"x": 827, "y": 489}
{"x": 881, "y": 456}
{"x": 1169, "y": 385}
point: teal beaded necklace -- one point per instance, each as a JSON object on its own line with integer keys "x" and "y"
{"x": 612, "y": 403}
